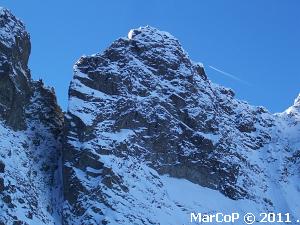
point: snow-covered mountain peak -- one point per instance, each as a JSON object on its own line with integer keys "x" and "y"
{"x": 144, "y": 102}
{"x": 297, "y": 102}
{"x": 147, "y": 39}
{"x": 148, "y": 33}
{"x": 11, "y": 28}
{"x": 293, "y": 112}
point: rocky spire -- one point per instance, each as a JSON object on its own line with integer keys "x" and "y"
{"x": 14, "y": 74}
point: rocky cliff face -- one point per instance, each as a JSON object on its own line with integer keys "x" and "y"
{"x": 147, "y": 139}
{"x": 30, "y": 126}
{"x": 142, "y": 110}
{"x": 14, "y": 73}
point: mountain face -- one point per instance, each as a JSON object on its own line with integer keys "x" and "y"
{"x": 144, "y": 122}
{"x": 147, "y": 139}
{"x": 30, "y": 126}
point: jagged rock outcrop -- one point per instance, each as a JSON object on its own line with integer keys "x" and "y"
{"x": 14, "y": 74}
{"x": 142, "y": 110}
{"x": 30, "y": 127}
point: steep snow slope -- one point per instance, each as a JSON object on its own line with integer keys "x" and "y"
{"x": 30, "y": 125}
{"x": 145, "y": 126}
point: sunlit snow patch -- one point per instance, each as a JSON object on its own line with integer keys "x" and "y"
{"x": 130, "y": 34}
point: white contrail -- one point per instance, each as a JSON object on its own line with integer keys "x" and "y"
{"x": 229, "y": 75}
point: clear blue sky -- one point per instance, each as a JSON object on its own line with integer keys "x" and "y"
{"x": 256, "y": 41}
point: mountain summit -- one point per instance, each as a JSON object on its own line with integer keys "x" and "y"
{"x": 147, "y": 139}
{"x": 145, "y": 125}
{"x": 297, "y": 102}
